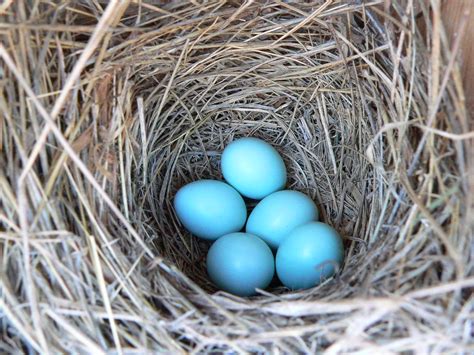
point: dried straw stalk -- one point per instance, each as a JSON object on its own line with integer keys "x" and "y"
{"x": 106, "y": 110}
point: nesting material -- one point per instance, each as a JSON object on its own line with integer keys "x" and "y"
{"x": 107, "y": 110}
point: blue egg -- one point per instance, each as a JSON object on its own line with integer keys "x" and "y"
{"x": 279, "y": 213}
{"x": 309, "y": 255}
{"x": 210, "y": 209}
{"x": 253, "y": 167}
{"x": 239, "y": 263}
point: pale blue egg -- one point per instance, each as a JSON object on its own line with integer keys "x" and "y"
{"x": 310, "y": 254}
{"x": 279, "y": 213}
{"x": 210, "y": 209}
{"x": 239, "y": 263}
{"x": 253, "y": 167}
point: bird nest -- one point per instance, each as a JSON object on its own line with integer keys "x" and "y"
{"x": 108, "y": 108}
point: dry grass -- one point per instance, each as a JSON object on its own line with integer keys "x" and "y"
{"x": 107, "y": 111}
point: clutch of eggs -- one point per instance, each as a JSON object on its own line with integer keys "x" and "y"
{"x": 285, "y": 221}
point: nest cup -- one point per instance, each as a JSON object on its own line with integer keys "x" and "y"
{"x": 108, "y": 111}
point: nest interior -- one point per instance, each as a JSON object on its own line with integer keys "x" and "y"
{"x": 108, "y": 108}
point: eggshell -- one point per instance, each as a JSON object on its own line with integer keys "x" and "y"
{"x": 309, "y": 255}
{"x": 210, "y": 209}
{"x": 279, "y": 213}
{"x": 239, "y": 263}
{"x": 253, "y": 167}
